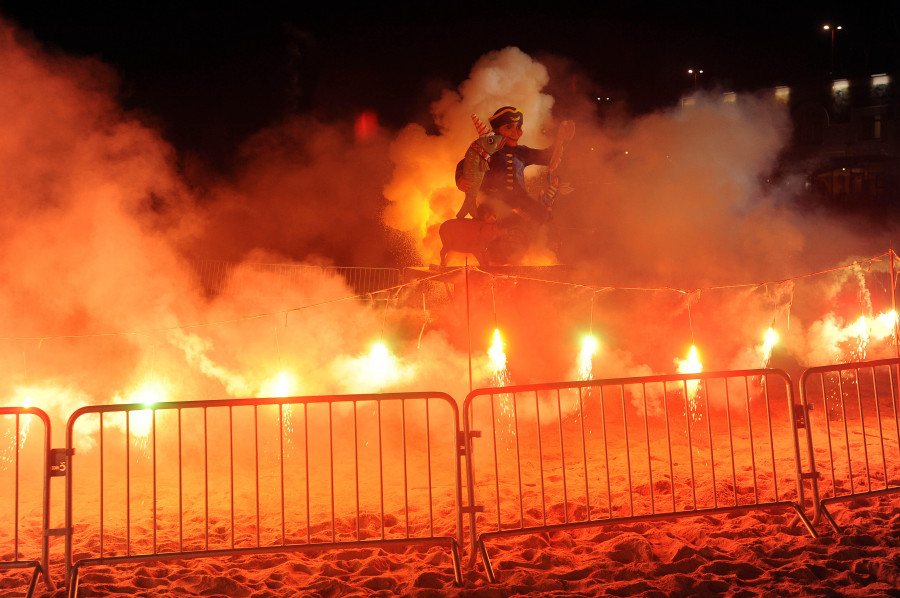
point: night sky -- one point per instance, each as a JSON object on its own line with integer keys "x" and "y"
{"x": 210, "y": 77}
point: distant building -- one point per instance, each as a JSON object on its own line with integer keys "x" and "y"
{"x": 846, "y": 141}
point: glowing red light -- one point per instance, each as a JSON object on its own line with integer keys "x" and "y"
{"x": 365, "y": 126}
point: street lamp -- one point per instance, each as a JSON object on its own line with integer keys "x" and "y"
{"x": 695, "y": 73}
{"x": 832, "y": 30}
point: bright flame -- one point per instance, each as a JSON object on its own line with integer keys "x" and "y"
{"x": 379, "y": 355}
{"x": 769, "y": 341}
{"x": 885, "y": 325}
{"x": 887, "y": 320}
{"x": 692, "y": 364}
{"x": 372, "y": 371}
{"x": 589, "y": 348}
{"x": 281, "y": 385}
{"x": 149, "y": 393}
{"x": 498, "y": 361}
{"x": 380, "y": 367}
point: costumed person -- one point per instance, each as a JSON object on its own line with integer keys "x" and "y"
{"x": 494, "y": 167}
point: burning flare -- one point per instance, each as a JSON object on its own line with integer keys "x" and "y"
{"x": 497, "y": 357}
{"x": 149, "y": 393}
{"x": 281, "y": 385}
{"x": 589, "y": 348}
{"x": 769, "y": 341}
{"x": 381, "y": 367}
{"x": 691, "y": 365}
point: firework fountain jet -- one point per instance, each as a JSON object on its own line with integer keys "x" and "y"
{"x": 769, "y": 340}
{"x": 497, "y": 356}
{"x": 589, "y": 347}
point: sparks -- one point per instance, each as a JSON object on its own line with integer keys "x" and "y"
{"x": 589, "y": 348}
{"x": 24, "y": 424}
{"x": 862, "y": 339}
{"x": 500, "y": 377}
{"x": 691, "y": 365}
{"x": 282, "y": 385}
{"x": 498, "y": 361}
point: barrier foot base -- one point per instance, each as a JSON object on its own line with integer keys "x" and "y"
{"x": 837, "y": 529}
{"x": 457, "y": 565}
{"x": 488, "y": 570}
{"x": 33, "y": 583}
{"x": 806, "y": 522}
{"x": 73, "y": 583}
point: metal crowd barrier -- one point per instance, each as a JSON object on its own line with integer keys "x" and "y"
{"x": 368, "y": 280}
{"x": 229, "y": 477}
{"x": 216, "y": 478}
{"x": 25, "y": 468}
{"x": 216, "y": 275}
{"x": 855, "y": 427}
{"x": 547, "y": 457}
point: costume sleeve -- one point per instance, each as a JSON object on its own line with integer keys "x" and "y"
{"x": 529, "y": 155}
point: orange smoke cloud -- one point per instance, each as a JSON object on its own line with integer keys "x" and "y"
{"x": 102, "y": 232}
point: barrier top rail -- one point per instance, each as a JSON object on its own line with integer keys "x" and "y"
{"x": 851, "y": 366}
{"x": 625, "y": 380}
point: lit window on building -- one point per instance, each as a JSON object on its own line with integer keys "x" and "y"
{"x": 880, "y": 84}
{"x": 840, "y": 91}
{"x": 729, "y": 97}
{"x": 783, "y": 94}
